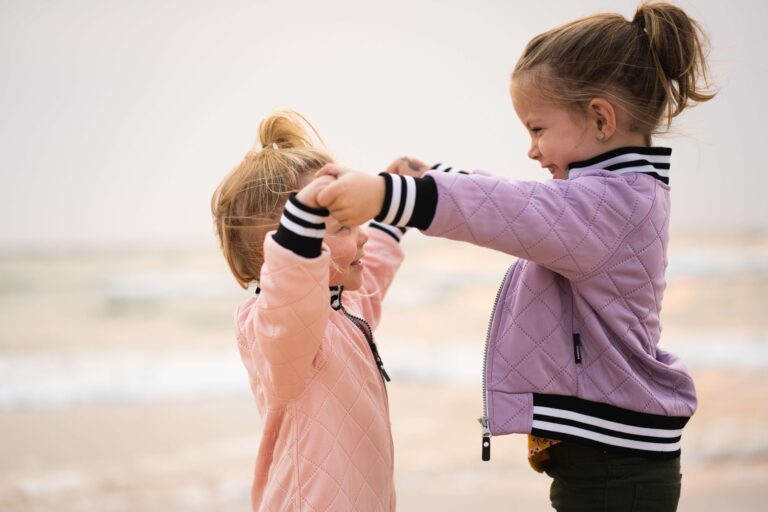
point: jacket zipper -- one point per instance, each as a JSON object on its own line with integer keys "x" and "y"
{"x": 486, "y": 430}
{"x": 368, "y": 335}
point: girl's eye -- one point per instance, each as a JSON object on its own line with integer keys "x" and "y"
{"x": 536, "y": 130}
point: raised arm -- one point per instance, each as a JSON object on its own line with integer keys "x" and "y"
{"x": 287, "y": 322}
{"x": 569, "y": 226}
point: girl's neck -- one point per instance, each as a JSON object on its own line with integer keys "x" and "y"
{"x": 625, "y": 139}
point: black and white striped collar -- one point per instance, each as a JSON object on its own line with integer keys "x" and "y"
{"x": 335, "y": 292}
{"x": 653, "y": 161}
{"x": 336, "y": 297}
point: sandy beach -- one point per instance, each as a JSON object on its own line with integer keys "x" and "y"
{"x": 121, "y": 389}
{"x": 198, "y": 455}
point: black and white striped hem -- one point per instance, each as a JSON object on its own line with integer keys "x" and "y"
{"x": 393, "y": 231}
{"x": 301, "y": 228}
{"x": 447, "y": 168}
{"x": 408, "y": 201}
{"x": 606, "y": 426}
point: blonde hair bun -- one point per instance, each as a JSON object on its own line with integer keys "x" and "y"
{"x": 285, "y": 129}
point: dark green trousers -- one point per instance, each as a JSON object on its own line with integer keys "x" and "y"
{"x": 591, "y": 479}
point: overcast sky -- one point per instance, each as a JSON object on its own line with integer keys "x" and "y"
{"x": 119, "y": 118}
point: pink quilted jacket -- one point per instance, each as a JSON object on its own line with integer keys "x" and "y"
{"x": 572, "y": 350}
{"x": 326, "y": 443}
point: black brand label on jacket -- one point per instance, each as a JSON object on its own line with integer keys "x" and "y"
{"x": 577, "y": 347}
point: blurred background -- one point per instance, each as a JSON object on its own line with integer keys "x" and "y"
{"x": 120, "y": 384}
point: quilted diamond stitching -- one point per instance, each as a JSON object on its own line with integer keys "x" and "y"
{"x": 537, "y": 343}
{"x": 365, "y": 435}
{"x": 464, "y": 222}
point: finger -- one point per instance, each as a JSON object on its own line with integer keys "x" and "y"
{"x": 327, "y": 196}
{"x": 330, "y": 170}
{"x": 422, "y": 166}
{"x": 413, "y": 164}
{"x": 323, "y": 181}
{"x": 394, "y": 167}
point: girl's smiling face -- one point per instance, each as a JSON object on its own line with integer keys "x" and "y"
{"x": 346, "y": 245}
{"x": 558, "y": 136}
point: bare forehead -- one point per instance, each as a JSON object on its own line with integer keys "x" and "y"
{"x": 528, "y": 102}
{"x": 523, "y": 88}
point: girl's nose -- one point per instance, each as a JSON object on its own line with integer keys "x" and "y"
{"x": 533, "y": 152}
{"x": 362, "y": 237}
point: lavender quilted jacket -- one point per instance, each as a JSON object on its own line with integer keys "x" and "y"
{"x": 572, "y": 350}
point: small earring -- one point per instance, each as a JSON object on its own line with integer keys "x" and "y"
{"x": 601, "y": 137}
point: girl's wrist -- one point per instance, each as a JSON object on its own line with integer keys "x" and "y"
{"x": 302, "y": 228}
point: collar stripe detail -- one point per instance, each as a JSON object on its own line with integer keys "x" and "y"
{"x": 640, "y": 163}
{"x": 655, "y": 153}
{"x": 335, "y": 297}
{"x": 335, "y": 293}
{"x": 653, "y": 161}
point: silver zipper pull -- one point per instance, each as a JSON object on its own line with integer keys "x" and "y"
{"x": 486, "y": 453}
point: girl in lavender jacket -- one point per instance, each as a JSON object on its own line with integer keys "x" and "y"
{"x": 572, "y": 355}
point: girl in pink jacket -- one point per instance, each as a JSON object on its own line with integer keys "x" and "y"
{"x": 572, "y": 354}
{"x": 306, "y": 336}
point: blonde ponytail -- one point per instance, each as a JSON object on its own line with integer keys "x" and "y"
{"x": 248, "y": 202}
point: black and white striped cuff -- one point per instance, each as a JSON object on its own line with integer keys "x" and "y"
{"x": 395, "y": 232}
{"x": 408, "y": 201}
{"x": 301, "y": 228}
{"x": 446, "y": 168}
{"x": 571, "y": 418}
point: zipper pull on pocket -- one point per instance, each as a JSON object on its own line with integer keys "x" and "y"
{"x": 486, "y": 451}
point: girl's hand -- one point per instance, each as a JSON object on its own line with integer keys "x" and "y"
{"x": 308, "y": 195}
{"x": 406, "y": 166}
{"x": 353, "y": 198}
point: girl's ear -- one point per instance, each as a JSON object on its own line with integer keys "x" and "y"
{"x": 601, "y": 117}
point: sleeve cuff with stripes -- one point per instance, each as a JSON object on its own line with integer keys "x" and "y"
{"x": 393, "y": 231}
{"x": 446, "y": 168}
{"x": 301, "y": 228}
{"x": 408, "y": 201}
